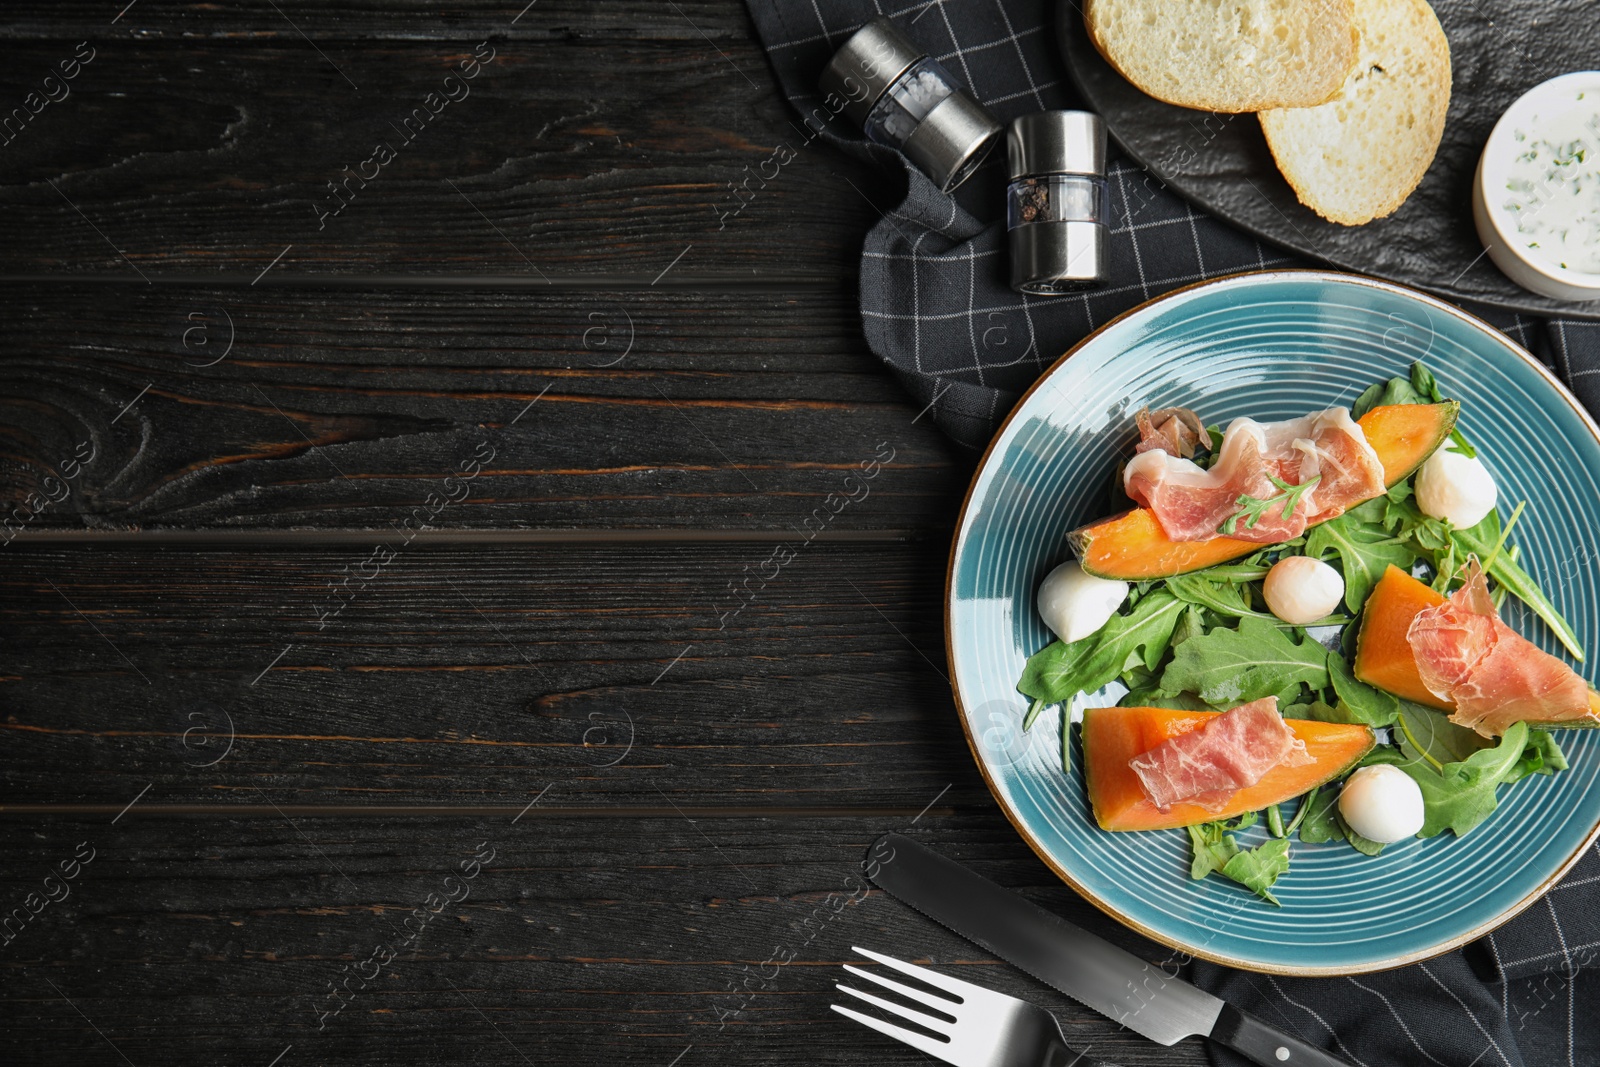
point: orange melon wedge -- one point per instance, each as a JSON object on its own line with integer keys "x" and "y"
{"x": 1383, "y": 655}
{"x": 1113, "y": 736}
{"x": 1132, "y": 546}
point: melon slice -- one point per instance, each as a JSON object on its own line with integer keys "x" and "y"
{"x": 1383, "y": 655}
{"x": 1113, "y": 736}
{"x": 1132, "y": 546}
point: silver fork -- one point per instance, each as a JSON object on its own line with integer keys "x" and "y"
{"x": 977, "y": 1027}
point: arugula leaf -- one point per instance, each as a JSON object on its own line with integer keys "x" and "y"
{"x": 1359, "y": 702}
{"x": 1393, "y": 391}
{"x": 1542, "y": 756}
{"x": 1223, "y": 598}
{"x": 1322, "y": 822}
{"x": 1427, "y": 735}
{"x": 1364, "y": 845}
{"x": 1247, "y": 571}
{"x": 1460, "y": 795}
{"x": 1258, "y": 868}
{"x": 1212, "y": 850}
{"x": 1191, "y": 623}
{"x": 1060, "y": 671}
{"x": 1505, "y": 570}
{"x": 1365, "y": 550}
{"x": 1155, "y": 698}
{"x": 1215, "y": 850}
{"x": 1319, "y": 710}
{"x": 1305, "y": 807}
{"x": 1232, "y": 667}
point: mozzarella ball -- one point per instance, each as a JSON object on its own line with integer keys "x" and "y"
{"x": 1452, "y": 487}
{"x": 1300, "y": 590}
{"x": 1382, "y": 803}
{"x": 1075, "y": 603}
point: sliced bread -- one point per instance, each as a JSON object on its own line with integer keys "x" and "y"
{"x": 1228, "y": 55}
{"x": 1357, "y": 157}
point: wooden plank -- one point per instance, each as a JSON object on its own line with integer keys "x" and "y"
{"x": 362, "y": 20}
{"x": 564, "y": 157}
{"x": 577, "y": 942}
{"x": 621, "y": 675}
{"x": 222, "y": 409}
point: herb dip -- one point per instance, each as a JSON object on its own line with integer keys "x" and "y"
{"x": 1554, "y": 186}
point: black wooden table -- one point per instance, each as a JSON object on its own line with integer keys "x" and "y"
{"x": 400, "y": 417}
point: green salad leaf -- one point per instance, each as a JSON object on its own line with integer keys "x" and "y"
{"x": 1060, "y": 671}
{"x": 1258, "y": 868}
{"x": 1155, "y": 698}
{"x": 1481, "y": 539}
{"x": 1460, "y": 795}
{"x": 1393, "y": 391}
{"x": 1358, "y": 701}
{"x": 1364, "y": 547}
{"x": 1542, "y": 756}
{"x": 1429, "y": 736}
{"x": 1229, "y": 667}
{"x": 1224, "y": 598}
{"x": 1216, "y": 851}
{"x": 1212, "y": 849}
{"x": 1321, "y": 820}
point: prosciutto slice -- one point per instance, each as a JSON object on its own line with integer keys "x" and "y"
{"x": 1192, "y": 503}
{"x": 1209, "y": 765}
{"x": 1493, "y": 675}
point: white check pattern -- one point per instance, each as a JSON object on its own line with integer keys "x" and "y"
{"x": 936, "y": 306}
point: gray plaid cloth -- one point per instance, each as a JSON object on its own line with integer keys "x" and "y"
{"x": 937, "y": 308}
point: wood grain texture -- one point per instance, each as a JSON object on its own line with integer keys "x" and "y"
{"x": 187, "y": 941}
{"x": 372, "y": 20}
{"x": 567, "y": 156}
{"x": 611, "y": 675}
{"x": 654, "y": 410}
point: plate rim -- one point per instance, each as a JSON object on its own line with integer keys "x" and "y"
{"x": 1200, "y": 952}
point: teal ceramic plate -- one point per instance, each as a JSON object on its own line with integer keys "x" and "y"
{"x": 1272, "y": 346}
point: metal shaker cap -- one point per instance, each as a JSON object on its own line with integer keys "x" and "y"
{"x": 949, "y": 144}
{"x": 1056, "y": 142}
{"x": 866, "y": 65}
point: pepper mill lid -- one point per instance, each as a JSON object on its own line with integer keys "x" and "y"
{"x": 866, "y": 65}
{"x": 1056, "y": 142}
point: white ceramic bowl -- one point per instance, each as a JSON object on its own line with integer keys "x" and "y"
{"x": 1497, "y": 229}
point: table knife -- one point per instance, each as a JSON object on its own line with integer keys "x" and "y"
{"x": 1089, "y": 969}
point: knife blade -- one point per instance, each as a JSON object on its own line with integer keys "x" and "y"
{"x": 1087, "y": 968}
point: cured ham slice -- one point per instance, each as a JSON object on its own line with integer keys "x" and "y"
{"x": 1326, "y": 449}
{"x": 1231, "y": 752}
{"x": 1177, "y": 431}
{"x": 1493, "y": 675}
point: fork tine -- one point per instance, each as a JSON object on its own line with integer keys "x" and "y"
{"x": 955, "y": 986}
{"x": 931, "y": 1000}
{"x": 922, "y": 1042}
{"x": 911, "y": 1014}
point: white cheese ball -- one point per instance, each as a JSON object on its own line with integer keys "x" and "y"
{"x": 1075, "y": 603}
{"x": 1452, "y": 487}
{"x": 1382, "y": 803}
{"x": 1300, "y": 590}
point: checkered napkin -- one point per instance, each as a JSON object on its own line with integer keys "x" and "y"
{"x": 936, "y": 306}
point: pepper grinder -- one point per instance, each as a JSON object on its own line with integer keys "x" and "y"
{"x": 1055, "y": 204}
{"x": 903, "y": 98}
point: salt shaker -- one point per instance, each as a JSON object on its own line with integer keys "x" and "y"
{"x": 903, "y": 98}
{"x": 1055, "y": 204}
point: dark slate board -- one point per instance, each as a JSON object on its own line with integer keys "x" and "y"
{"x": 1498, "y": 48}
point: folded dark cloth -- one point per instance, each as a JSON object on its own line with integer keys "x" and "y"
{"x": 937, "y": 308}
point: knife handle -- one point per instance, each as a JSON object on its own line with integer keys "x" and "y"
{"x": 1267, "y": 1045}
